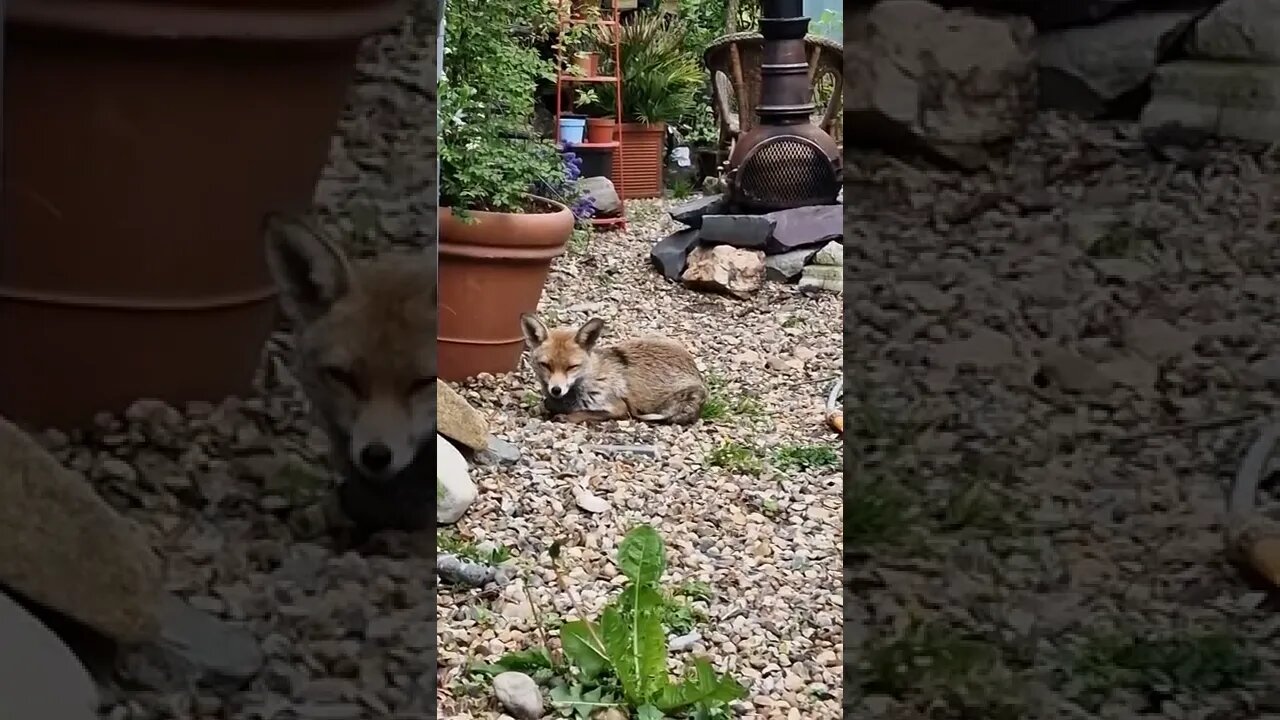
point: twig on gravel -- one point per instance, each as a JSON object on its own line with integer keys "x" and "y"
{"x": 811, "y": 381}
{"x": 537, "y": 615}
{"x": 1197, "y": 426}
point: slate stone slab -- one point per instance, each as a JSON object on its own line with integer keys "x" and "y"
{"x": 1050, "y": 14}
{"x": 1239, "y": 31}
{"x": 1086, "y": 70}
{"x": 194, "y": 648}
{"x": 787, "y": 266}
{"x": 804, "y": 226}
{"x": 748, "y": 232}
{"x": 692, "y": 212}
{"x": 671, "y": 252}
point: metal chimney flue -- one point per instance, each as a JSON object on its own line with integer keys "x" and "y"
{"x": 785, "y": 161}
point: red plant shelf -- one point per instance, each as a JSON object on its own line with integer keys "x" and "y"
{"x": 588, "y": 79}
{"x": 591, "y": 146}
{"x": 564, "y": 80}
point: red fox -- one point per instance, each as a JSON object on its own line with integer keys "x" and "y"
{"x": 366, "y": 358}
{"x": 648, "y": 378}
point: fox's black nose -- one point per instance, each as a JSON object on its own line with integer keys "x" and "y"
{"x": 375, "y": 457}
{"x": 555, "y": 390}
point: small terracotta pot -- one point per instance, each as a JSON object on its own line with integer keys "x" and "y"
{"x": 639, "y": 161}
{"x": 601, "y": 130}
{"x": 588, "y": 63}
{"x": 492, "y": 268}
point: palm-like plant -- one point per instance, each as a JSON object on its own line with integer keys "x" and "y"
{"x": 660, "y": 76}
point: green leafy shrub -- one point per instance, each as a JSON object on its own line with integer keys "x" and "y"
{"x": 492, "y": 67}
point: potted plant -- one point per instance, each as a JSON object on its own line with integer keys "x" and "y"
{"x": 601, "y": 129}
{"x": 601, "y": 123}
{"x": 587, "y": 63}
{"x": 503, "y": 215}
{"x": 135, "y": 183}
{"x": 660, "y": 83}
{"x": 575, "y": 42}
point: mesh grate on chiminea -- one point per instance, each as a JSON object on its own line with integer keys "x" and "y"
{"x": 785, "y": 161}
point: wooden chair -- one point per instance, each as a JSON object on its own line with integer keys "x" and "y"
{"x": 734, "y": 63}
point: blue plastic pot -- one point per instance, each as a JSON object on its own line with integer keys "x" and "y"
{"x": 572, "y": 129}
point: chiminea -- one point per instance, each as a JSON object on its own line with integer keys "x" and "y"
{"x": 785, "y": 161}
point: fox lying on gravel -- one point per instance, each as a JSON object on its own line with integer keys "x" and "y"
{"x": 647, "y": 378}
{"x": 366, "y": 358}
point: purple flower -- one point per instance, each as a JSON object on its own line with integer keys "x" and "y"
{"x": 584, "y": 207}
{"x": 572, "y": 167}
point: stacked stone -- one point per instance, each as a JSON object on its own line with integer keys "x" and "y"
{"x": 1229, "y": 84}
{"x": 825, "y": 273}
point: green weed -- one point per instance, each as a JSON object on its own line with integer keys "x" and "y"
{"x": 736, "y": 457}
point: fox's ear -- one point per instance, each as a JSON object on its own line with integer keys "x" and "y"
{"x": 310, "y": 272}
{"x": 589, "y": 334}
{"x": 535, "y": 333}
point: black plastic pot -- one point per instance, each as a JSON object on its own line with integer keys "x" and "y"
{"x": 596, "y": 162}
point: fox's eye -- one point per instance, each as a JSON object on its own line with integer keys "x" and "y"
{"x": 571, "y": 368}
{"x": 343, "y": 378}
{"x": 545, "y": 365}
{"x": 421, "y": 384}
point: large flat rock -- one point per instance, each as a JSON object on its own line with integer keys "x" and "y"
{"x": 458, "y": 421}
{"x": 749, "y": 232}
{"x": 693, "y": 211}
{"x": 1085, "y": 70}
{"x": 1241, "y": 30}
{"x": 725, "y": 269}
{"x": 951, "y": 83}
{"x": 63, "y": 547}
{"x": 1233, "y": 100}
{"x": 670, "y": 255}
{"x": 1050, "y": 14}
{"x": 804, "y": 227}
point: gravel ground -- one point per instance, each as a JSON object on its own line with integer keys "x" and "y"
{"x": 1054, "y": 368}
{"x": 763, "y": 543}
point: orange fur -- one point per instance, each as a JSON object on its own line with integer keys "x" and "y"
{"x": 647, "y": 378}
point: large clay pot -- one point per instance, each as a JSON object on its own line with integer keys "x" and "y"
{"x": 143, "y": 143}
{"x": 639, "y": 161}
{"x": 493, "y": 268}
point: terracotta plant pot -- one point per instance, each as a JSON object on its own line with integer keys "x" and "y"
{"x": 144, "y": 142}
{"x": 601, "y": 130}
{"x": 588, "y": 63}
{"x": 639, "y": 162}
{"x": 492, "y": 269}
